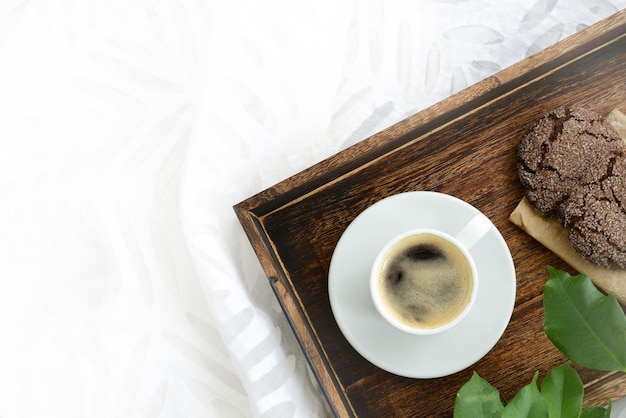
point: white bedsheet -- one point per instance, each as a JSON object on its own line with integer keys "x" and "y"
{"x": 128, "y": 129}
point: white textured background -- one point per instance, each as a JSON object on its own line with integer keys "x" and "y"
{"x": 128, "y": 129}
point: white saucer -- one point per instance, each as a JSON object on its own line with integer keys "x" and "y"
{"x": 393, "y": 350}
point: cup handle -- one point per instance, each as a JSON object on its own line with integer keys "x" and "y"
{"x": 474, "y": 230}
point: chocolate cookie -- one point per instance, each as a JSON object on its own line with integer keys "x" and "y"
{"x": 597, "y": 224}
{"x": 572, "y": 164}
{"x": 562, "y": 150}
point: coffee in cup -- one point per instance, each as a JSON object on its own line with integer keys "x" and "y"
{"x": 423, "y": 281}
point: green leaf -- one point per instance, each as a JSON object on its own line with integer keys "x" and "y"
{"x": 563, "y": 392}
{"x": 586, "y": 326}
{"x": 477, "y": 398}
{"x": 527, "y": 403}
{"x": 597, "y": 411}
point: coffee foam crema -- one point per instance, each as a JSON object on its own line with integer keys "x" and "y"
{"x": 425, "y": 281}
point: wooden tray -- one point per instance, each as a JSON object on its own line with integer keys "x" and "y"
{"x": 464, "y": 146}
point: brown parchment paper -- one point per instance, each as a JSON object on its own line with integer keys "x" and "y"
{"x": 554, "y": 236}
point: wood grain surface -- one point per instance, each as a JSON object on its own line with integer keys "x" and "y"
{"x": 464, "y": 146}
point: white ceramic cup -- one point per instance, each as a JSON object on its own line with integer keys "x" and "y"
{"x": 465, "y": 239}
